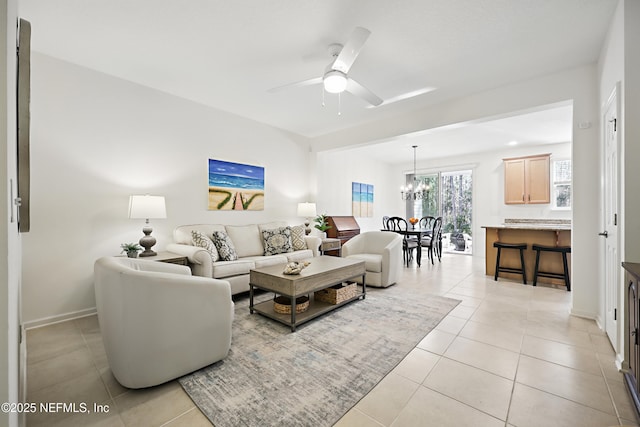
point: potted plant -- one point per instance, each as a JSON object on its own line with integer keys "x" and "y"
{"x": 322, "y": 224}
{"x": 458, "y": 240}
{"x": 131, "y": 249}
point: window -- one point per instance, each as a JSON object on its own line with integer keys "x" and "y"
{"x": 429, "y": 205}
{"x": 449, "y": 195}
{"x": 456, "y": 202}
{"x": 561, "y": 184}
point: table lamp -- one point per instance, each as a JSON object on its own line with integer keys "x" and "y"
{"x": 147, "y": 207}
{"x": 307, "y": 210}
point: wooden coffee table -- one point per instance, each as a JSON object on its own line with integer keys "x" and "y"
{"x": 323, "y": 272}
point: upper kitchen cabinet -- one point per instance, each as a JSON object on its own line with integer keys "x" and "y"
{"x": 526, "y": 180}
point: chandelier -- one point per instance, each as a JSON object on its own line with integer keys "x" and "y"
{"x": 419, "y": 189}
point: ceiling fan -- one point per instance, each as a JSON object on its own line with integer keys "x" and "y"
{"x": 335, "y": 78}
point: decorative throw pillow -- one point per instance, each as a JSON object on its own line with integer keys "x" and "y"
{"x": 277, "y": 241}
{"x": 202, "y": 241}
{"x": 224, "y": 245}
{"x": 297, "y": 238}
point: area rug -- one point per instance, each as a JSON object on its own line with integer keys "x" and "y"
{"x": 312, "y": 377}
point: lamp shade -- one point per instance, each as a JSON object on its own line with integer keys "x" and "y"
{"x": 306, "y": 209}
{"x": 335, "y": 81}
{"x": 146, "y": 207}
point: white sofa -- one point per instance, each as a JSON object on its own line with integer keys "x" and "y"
{"x": 158, "y": 322}
{"x": 248, "y": 243}
{"x": 381, "y": 252}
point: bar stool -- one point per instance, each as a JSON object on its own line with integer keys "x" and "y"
{"x": 521, "y": 247}
{"x": 564, "y": 250}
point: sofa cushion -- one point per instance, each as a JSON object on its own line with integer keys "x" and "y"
{"x": 300, "y": 255}
{"x": 268, "y": 261}
{"x": 182, "y": 233}
{"x": 297, "y": 237}
{"x": 372, "y": 262}
{"x": 246, "y": 238}
{"x": 224, "y": 245}
{"x": 224, "y": 269}
{"x": 202, "y": 241}
{"x": 277, "y": 241}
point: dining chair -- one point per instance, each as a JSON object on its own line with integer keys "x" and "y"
{"x": 384, "y": 222}
{"x": 433, "y": 243}
{"x": 427, "y": 221}
{"x": 440, "y": 238}
{"x": 398, "y": 224}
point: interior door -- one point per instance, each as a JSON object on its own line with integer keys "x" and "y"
{"x": 611, "y": 257}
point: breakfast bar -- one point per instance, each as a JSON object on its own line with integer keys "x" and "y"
{"x": 542, "y": 232}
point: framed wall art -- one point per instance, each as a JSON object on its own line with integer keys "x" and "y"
{"x": 362, "y": 199}
{"x": 235, "y": 186}
{"x": 24, "y": 118}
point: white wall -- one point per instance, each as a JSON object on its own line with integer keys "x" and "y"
{"x": 611, "y": 71}
{"x": 631, "y": 128}
{"x": 336, "y": 170}
{"x": 9, "y": 238}
{"x": 619, "y": 63}
{"x": 97, "y": 139}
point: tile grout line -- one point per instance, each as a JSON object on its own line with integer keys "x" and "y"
{"x": 112, "y": 399}
{"x": 515, "y": 375}
{"x": 178, "y": 416}
{"x": 442, "y": 356}
{"x": 606, "y": 381}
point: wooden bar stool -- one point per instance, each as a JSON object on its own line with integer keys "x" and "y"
{"x": 564, "y": 250}
{"x": 521, "y": 247}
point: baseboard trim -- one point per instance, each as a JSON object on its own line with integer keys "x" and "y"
{"x": 585, "y": 315}
{"x": 45, "y": 321}
{"x": 620, "y": 363}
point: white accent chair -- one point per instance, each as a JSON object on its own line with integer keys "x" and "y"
{"x": 158, "y": 322}
{"x": 382, "y": 253}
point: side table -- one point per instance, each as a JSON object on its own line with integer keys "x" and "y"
{"x": 168, "y": 257}
{"x": 331, "y": 244}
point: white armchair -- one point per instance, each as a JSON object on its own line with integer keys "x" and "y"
{"x": 158, "y": 322}
{"x": 382, "y": 253}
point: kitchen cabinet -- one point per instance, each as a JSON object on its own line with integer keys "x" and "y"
{"x": 526, "y": 180}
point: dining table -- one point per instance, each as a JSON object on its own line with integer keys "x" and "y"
{"x": 416, "y": 232}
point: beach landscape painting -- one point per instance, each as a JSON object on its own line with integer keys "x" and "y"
{"x": 235, "y": 186}
{"x": 361, "y": 199}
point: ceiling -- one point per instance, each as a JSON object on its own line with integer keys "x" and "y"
{"x": 228, "y": 54}
{"x": 552, "y": 125}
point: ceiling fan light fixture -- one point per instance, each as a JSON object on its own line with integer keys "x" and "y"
{"x": 335, "y": 81}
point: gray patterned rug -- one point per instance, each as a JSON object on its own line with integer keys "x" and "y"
{"x": 312, "y": 377}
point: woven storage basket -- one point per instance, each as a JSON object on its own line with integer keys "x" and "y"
{"x": 282, "y": 304}
{"x": 337, "y": 294}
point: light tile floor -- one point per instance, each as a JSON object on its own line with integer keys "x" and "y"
{"x": 508, "y": 355}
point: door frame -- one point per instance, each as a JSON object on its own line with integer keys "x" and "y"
{"x": 618, "y": 288}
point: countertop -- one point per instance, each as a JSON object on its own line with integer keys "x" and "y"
{"x": 533, "y": 224}
{"x": 552, "y": 227}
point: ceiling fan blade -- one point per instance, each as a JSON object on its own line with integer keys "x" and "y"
{"x": 308, "y": 82}
{"x": 362, "y": 92}
{"x": 351, "y": 49}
